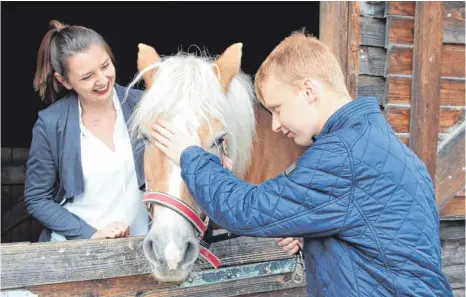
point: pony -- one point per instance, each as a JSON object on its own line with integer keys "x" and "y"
{"x": 217, "y": 98}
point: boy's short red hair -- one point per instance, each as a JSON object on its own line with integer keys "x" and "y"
{"x": 300, "y": 56}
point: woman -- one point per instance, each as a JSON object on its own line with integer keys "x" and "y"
{"x": 84, "y": 176}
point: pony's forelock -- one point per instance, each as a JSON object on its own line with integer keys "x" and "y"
{"x": 189, "y": 81}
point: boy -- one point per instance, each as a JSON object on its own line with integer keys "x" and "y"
{"x": 363, "y": 202}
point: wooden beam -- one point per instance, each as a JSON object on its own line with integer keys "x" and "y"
{"x": 353, "y": 40}
{"x": 333, "y": 30}
{"x": 452, "y": 91}
{"x": 453, "y": 60}
{"x": 400, "y": 61}
{"x": 400, "y": 30}
{"x": 406, "y": 8}
{"x": 374, "y": 9}
{"x": 339, "y": 30}
{"x": 453, "y": 22}
{"x": 372, "y": 31}
{"x": 80, "y": 260}
{"x": 455, "y": 208}
{"x": 450, "y": 175}
{"x": 371, "y": 86}
{"x": 399, "y": 117}
{"x": 145, "y": 285}
{"x": 372, "y": 60}
{"x": 425, "y": 91}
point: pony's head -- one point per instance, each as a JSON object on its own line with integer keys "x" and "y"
{"x": 217, "y": 99}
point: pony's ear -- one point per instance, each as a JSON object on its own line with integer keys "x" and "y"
{"x": 147, "y": 56}
{"x": 228, "y": 65}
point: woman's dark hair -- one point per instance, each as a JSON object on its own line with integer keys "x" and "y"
{"x": 60, "y": 43}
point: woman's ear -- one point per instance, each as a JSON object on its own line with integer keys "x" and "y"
{"x": 62, "y": 80}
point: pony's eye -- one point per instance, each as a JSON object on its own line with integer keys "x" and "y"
{"x": 220, "y": 140}
{"x": 144, "y": 137}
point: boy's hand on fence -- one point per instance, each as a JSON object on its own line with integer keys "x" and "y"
{"x": 290, "y": 245}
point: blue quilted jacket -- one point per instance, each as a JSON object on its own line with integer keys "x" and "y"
{"x": 362, "y": 200}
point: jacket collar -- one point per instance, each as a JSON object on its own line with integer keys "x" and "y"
{"x": 349, "y": 112}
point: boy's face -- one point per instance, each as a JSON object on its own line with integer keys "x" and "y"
{"x": 294, "y": 110}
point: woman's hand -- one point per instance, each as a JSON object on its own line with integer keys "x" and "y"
{"x": 112, "y": 230}
{"x": 290, "y": 245}
{"x": 173, "y": 141}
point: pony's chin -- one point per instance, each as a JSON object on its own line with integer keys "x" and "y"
{"x": 175, "y": 277}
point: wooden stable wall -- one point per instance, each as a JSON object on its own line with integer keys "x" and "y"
{"x": 421, "y": 89}
{"x": 410, "y": 56}
{"x": 17, "y": 225}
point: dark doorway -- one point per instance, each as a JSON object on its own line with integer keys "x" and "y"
{"x": 168, "y": 26}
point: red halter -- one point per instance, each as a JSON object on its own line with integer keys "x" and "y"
{"x": 188, "y": 213}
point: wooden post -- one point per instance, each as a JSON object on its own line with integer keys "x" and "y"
{"x": 339, "y": 30}
{"x": 425, "y": 88}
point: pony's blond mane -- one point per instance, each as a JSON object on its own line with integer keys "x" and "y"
{"x": 188, "y": 81}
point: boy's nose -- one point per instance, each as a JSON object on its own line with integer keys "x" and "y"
{"x": 276, "y": 125}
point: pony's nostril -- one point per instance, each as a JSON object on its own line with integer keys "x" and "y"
{"x": 149, "y": 248}
{"x": 191, "y": 253}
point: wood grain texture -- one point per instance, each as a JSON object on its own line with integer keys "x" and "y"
{"x": 450, "y": 167}
{"x": 425, "y": 89}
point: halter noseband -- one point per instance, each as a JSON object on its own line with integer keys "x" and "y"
{"x": 188, "y": 213}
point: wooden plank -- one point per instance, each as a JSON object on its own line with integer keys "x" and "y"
{"x": 331, "y": 31}
{"x": 146, "y": 286}
{"x": 19, "y": 156}
{"x": 372, "y": 60}
{"x": 405, "y": 8}
{"x": 452, "y": 231}
{"x": 454, "y": 208}
{"x": 371, "y": 86}
{"x": 425, "y": 89}
{"x": 459, "y": 292}
{"x": 6, "y": 198}
{"x": 400, "y": 30}
{"x": 450, "y": 167}
{"x": 372, "y": 32}
{"x": 453, "y": 60}
{"x": 6, "y": 156}
{"x": 452, "y": 252}
{"x": 399, "y": 61}
{"x": 352, "y": 64}
{"x": 375, "y": 9}
{"x": 343, "y": 40}
{"x": 13, "y": 174}
{"x": 398, "y": 91}
{"x": 453, "y": 22}
{"x": 450, "y": 118}
{"x": 79, "y": 260}
{"x": 452, "y": 92}
{"x": 295, "y": 292}
{"x": 398, "y": 116}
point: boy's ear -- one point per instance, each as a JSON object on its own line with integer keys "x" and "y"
{"x": 311, "y": 87}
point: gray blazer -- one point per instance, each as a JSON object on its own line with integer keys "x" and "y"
{"x": 54, "y": 172}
